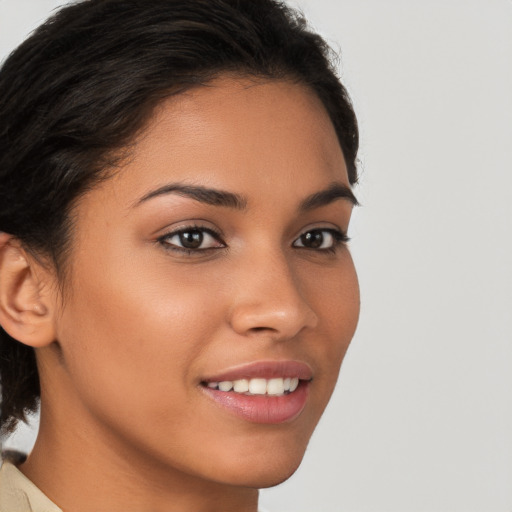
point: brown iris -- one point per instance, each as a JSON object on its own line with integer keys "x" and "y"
{"x": 191, "y": 239}
{"x": 312, "y": 239}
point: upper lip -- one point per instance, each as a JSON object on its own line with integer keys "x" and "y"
{"x": 264, "y": 370}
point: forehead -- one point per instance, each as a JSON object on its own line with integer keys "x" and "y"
{"x": 238, "y": 134}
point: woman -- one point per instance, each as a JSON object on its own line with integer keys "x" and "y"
{"x": 175, "y": 283}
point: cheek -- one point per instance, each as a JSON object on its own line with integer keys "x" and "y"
{"x": 132, "y": 332}
{"x": 334, "y": 295}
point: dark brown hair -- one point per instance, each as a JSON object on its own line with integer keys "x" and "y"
{"x": 82, "y": 85}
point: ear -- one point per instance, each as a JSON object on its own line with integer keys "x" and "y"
{"x": 27, "y": 295}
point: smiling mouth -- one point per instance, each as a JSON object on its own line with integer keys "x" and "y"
{"x": 279, "y": 386}
{"x": 265, "y": 392}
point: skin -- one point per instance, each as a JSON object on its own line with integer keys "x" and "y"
{"x": 125, "y": 421}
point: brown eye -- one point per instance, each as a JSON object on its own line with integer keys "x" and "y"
{"x": 312, "y": 239}
{"x": 191, "y": 239}
{"x": 320, "y": 239}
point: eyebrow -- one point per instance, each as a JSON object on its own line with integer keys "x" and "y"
{"x": 205, "y": 195}
{"x": 216, "y": 197}
{"x": 334, "y": 192}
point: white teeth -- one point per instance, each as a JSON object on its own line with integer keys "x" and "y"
{"x": 226, "y": 385}
{"x": 241, "y": 386}
{"x": 273, "y": 387}
{"x": 258, "y": 386}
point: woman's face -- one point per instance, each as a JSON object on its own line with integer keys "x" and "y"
{"x": 214, "y": 258}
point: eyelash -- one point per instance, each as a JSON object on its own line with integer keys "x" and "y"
{"x": 339, "y": 239}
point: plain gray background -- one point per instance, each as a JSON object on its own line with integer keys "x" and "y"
{"x": 422, "y": 417}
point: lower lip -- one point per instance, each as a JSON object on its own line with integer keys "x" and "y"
{"x": 263, "y": 408}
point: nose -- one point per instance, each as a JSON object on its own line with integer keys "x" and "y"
{"x": 268, "y": 300}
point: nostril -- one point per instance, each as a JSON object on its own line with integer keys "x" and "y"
{"x": 259, "y": 329}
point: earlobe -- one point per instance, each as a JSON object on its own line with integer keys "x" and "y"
{"x": 26, "y": 311}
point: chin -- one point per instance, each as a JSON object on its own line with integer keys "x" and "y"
{"x": 269, "y": 469}
{"x": 262, "y": 479}
{"x": 271, "y": 480}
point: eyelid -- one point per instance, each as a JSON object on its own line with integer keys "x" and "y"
{"x": 319, "y": 226}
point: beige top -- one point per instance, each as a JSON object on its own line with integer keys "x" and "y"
{"x": 19, "y": 494}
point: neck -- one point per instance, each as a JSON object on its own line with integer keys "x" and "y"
{"x": 81, "y": 471}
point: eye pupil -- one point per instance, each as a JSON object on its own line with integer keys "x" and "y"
{"x": 191, "y": 239}
{"x": 312, "y": 239}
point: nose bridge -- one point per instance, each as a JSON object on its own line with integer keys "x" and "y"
{"x": 269, "y": 298}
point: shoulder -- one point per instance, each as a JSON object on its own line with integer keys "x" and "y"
{"x": 18, "y": 493}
